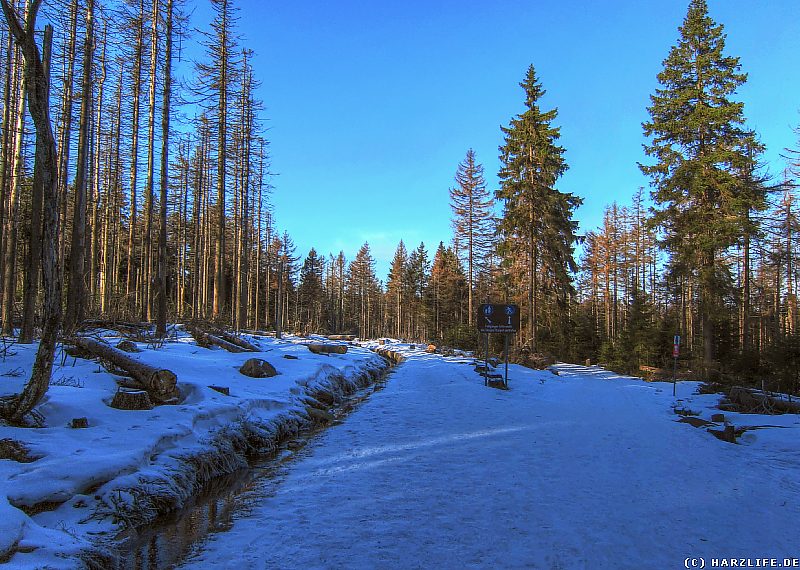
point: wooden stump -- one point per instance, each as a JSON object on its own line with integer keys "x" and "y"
{"x": 127, "y": 346}
{"x": 78, "y": 423}
{"x": 221, "y": 389}
{"x": 131, "y": 400}
{"x": 257, "y": 368}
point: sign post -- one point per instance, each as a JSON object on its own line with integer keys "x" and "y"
{"x": 497, "y": 319}
{"x": 676, "y": 351}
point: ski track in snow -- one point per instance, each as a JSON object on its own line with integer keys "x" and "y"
{"x": 581, "y": 470}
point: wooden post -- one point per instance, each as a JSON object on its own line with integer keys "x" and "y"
{"x": 506, "y": 349}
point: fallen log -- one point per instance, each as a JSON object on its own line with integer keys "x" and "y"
{"x": 327, "y": 348}
{"x": 160, "y": 384}
{"x": 207, "y": 340}
{"x": 749, "y": 400}
{"x": 238, "y": 341}
{"x": 345, "y": 337}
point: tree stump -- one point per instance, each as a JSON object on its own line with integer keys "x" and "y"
{"x": 221, "y": 389}
{"x": 131, "y": 400}
{"x": 128, "y": 346}
{"x": 78, "y": 423}
{"x": 257, "y": 368}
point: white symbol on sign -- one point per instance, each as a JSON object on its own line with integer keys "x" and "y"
{"x": 487, "y": 310}
{"x": 509, "y": 310}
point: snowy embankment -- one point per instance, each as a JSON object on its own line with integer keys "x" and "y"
{"x": 65, "y": 490}
{"x": 580, "y": 469}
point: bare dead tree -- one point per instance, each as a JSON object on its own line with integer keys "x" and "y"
{"x": 15, "y": 408}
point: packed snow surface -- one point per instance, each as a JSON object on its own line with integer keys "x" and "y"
{"x": 579, "y": 469}
{"x": 77, "y": 481}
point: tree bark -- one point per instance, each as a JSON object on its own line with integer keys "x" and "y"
{"x": 9, "y": 282}
{"x": 32, "y": 261}
{"x": 160, "y": 383}
{"x": 76, "y": 287}
{"x": 14, "y": 408}
{"x": 161, "y": 309}
{"x": 130, "y": 286}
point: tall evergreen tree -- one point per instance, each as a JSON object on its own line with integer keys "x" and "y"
{"x": 702, "y": 149}
{"x": 473, "y": 222}
{"x": 362, "y": 285}
{"x": 311, "y": 291}
{"x": 396, "y": 287}
{"x": 417, "y": 273}
{"x": 536, "y": 215}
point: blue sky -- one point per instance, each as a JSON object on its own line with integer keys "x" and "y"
{"x": 371, "y": 105}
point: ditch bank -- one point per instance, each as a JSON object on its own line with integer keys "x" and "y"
{"x": 161, "y": 516}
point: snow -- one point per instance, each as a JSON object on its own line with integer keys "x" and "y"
{"x": 579, "y": 469}
{"x": 82, "y": 479}
{"x": 584, "y": 469}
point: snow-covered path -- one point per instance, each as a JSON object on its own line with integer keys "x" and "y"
{"x": 581, "y": 470}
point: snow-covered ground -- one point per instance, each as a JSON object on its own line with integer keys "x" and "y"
{"x": 583, "y": 469}
{"x": 84, "y": 482}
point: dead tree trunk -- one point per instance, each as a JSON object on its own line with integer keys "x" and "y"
{"x": 76, "y": 298}
{"x": 145, "y": 283}
{"x": 161, "y": 309}
{"x": 31, "y": 287}
{"x": 130, "y": 279}
{"x": 9, "y": 284}
{"x": 14, "y": 408}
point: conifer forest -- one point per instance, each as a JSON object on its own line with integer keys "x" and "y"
{"x": 136, "y": 186}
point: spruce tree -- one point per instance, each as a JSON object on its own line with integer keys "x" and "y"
{"x": 311, "y": 292}
{"x": 703, "y": 156}
{"x": 473, "y": 222}
{"x": 396, "y": 287}
{"x": 537, "y": 216}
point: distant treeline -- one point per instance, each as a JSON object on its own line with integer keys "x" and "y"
{"x": 163, "y": 211}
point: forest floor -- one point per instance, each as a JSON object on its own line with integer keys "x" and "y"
{"x": 573, "y": 467}
{"x": 63, "y": 490}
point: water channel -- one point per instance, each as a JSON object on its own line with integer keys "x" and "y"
{"x": 163, "y": 544}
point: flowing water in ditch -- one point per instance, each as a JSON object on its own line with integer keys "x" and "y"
{"x": 164, "y": 543}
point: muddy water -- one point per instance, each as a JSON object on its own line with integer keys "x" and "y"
{"x": 163, "y": 544}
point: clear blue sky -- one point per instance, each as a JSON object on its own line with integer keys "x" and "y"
{"x": 372, "y": 104}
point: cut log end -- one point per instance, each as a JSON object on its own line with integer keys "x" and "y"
{"x": 327, "y": 348}
{"x": 163, "y": 383}
{"x": 258, "y": 368}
